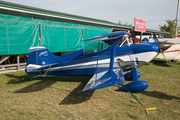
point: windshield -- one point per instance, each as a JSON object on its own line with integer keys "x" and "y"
{"x": 97, "y": 46}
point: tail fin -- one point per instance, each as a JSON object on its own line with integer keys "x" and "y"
{"x": 40, "y": 58}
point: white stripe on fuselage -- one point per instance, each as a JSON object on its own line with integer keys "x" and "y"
{"x": 142, "y": 57}
{"x": 91, "y": 63}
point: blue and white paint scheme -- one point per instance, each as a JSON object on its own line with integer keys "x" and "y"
{"x": 105, "y": 59}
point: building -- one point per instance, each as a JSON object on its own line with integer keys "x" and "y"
{"x": 23, "y": 27}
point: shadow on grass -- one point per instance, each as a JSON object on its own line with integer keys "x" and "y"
{"x": 14, "y": 79}
{"x": 77, "y": 96}
{"x": 160, "y": 95}
{"x": 160, "y": 62}
{"x": 38, "y": 86}
{"x": 155, "y": 94}
{"x": 41, "y": 85}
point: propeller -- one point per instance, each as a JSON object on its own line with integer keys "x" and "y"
{"x": 164, "y": 56}
{"x": 163, "y": 46}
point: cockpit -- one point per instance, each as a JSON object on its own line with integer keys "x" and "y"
{"x": 125, "y": 41}
{"x": 96, "y": 47}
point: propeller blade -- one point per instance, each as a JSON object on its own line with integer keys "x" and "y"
{"x": 164, "y": 56}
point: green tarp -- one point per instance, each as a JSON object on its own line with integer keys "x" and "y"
{"x": 19, "y": 33}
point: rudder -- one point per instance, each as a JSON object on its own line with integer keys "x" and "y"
{"x": 39, "y": 58}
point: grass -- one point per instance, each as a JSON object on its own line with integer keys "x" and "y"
{"x": 60, "y": 97}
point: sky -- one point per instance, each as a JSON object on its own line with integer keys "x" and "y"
{"x": 154, "y": 12}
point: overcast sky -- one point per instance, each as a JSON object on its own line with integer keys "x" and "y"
{"x": 155, "y": 12}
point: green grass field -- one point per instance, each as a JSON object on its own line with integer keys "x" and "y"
{"x": 60, "y": 97}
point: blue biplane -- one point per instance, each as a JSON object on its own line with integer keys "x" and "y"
{"x": 106, "y": 59}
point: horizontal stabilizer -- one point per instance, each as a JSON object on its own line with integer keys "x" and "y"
{"x": 105, "y": 79}
{"x": 33, "y": 67}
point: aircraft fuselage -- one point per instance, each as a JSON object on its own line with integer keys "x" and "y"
{"x": 87, "y": 64}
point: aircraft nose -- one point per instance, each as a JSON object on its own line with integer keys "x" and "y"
{"x": 164, "y": 46}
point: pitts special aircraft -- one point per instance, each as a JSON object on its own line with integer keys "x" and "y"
{"x": 106, "y": 59}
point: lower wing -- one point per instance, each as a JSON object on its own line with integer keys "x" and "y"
{"x": 104, "y": 79}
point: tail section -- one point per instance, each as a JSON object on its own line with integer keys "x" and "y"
{"x": 40, "y": 58}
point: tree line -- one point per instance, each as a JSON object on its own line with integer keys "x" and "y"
{"x": 170, "y": 27}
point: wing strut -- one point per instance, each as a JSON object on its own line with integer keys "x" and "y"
{"x": 107, "y": 78}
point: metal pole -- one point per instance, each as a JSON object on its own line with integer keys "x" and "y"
{"x": 39, "y": 34}
{"x": 17, "y": 62}
{"x": 141, "y": 37}
{"x": 134, "y": 37}
{"x": 177, "y": 18}
{"x": 134, "y": 42}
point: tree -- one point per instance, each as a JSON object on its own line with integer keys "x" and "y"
{"x": 124, "y": 24}
{"x": 170, "y": 27}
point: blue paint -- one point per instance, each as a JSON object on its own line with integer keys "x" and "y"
{"x": 135, "y": 74}
{"x": 135, "y": 86}
{"x": 129, "y": 76}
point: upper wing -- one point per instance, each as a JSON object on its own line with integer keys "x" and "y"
{"x": 105, "y": 79}
{"x": 109, "y": 38}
